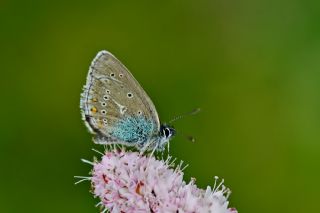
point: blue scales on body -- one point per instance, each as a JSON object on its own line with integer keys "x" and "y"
{"x": 133, "y": 129}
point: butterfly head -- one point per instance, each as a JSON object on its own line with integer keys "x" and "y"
{"x": 166, "y": 133}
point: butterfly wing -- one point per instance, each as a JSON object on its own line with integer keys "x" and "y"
{"x": 114, "y": 106}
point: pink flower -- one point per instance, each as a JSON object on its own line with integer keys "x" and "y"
{"x": 133, "y": 183}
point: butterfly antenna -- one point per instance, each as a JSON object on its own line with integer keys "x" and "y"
{"x": 188, "y": 137}
{"x": 193, "y": 112}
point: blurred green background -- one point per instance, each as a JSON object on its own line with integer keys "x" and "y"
{"x": 252, "y": 66}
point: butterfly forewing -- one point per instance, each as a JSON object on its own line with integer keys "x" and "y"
{"x": 112, "y": 94}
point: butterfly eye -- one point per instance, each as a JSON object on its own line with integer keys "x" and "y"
{"x": 167, "y": 132}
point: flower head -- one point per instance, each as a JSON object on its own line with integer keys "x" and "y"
{"x": 132, "y": 183}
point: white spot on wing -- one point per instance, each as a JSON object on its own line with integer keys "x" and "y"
{"x": 122, "y": 108}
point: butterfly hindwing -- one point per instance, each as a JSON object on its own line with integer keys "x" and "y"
{"x": 114, "y": 105}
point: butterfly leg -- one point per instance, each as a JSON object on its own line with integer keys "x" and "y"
{"x": 153, "y": 150}
{"x": 145, "y": 147}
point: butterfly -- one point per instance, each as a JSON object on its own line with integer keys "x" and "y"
{"x": 117, "y": 110}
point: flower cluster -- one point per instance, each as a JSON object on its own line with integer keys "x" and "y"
{"x": 133, "y": 183}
